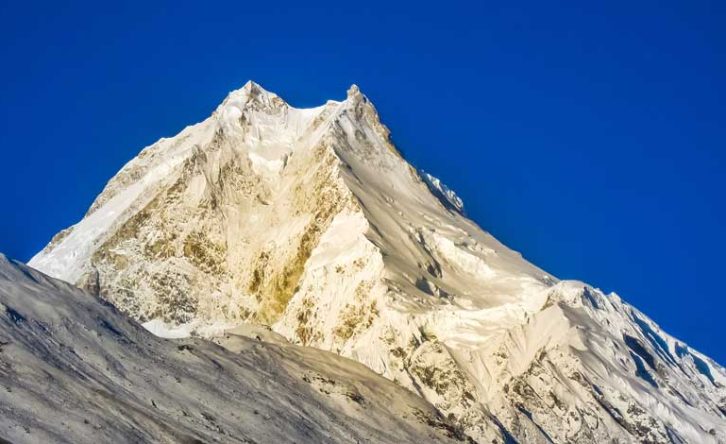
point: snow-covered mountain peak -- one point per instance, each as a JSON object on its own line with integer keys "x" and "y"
{"x": 251, "y": 91}
{"x": 354, "y": 93}
{"x": 251, "y": 97}
{"x": 310, "y": 221}
{"x": 251, "y": 85}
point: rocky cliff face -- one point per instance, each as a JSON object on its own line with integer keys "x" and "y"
{"x": 310, "y": 221}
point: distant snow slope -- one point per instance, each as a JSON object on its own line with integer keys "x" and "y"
{"x": 73, "y": 369}
{"x": 310, "y": 221}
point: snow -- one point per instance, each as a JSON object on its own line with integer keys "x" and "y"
{"x": 262, "y": 165}
{"x": 309, "y": 221}
{"x": 445, "y": 193}
{"x": 170, "y": 331}
{"x": 73, "y": 253}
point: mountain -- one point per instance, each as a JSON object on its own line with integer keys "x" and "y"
{"x": 74, "y": 369}
{"x": 310, "y": 221}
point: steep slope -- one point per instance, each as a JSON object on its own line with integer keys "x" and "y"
{"x": 312, "y": 222}
{"x": 73, "y": 369}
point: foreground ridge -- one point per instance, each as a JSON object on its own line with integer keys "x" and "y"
{"x": 310, "y": 221}
{"x": 76, "y": 370}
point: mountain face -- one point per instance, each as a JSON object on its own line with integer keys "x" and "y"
{"x": 73, "y": 369}
{"x": 311, "y": 222}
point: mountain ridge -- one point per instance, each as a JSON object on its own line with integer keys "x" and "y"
{"x": 74, "y": 369}
{"x": 310, "y": 220}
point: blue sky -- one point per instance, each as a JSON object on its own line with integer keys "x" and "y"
{"x": 590, "y": 137}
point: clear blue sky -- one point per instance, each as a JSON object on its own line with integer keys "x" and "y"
{"x": 592, "y": 138}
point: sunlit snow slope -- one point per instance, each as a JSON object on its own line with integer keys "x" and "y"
{"x": 310, "y": 221}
